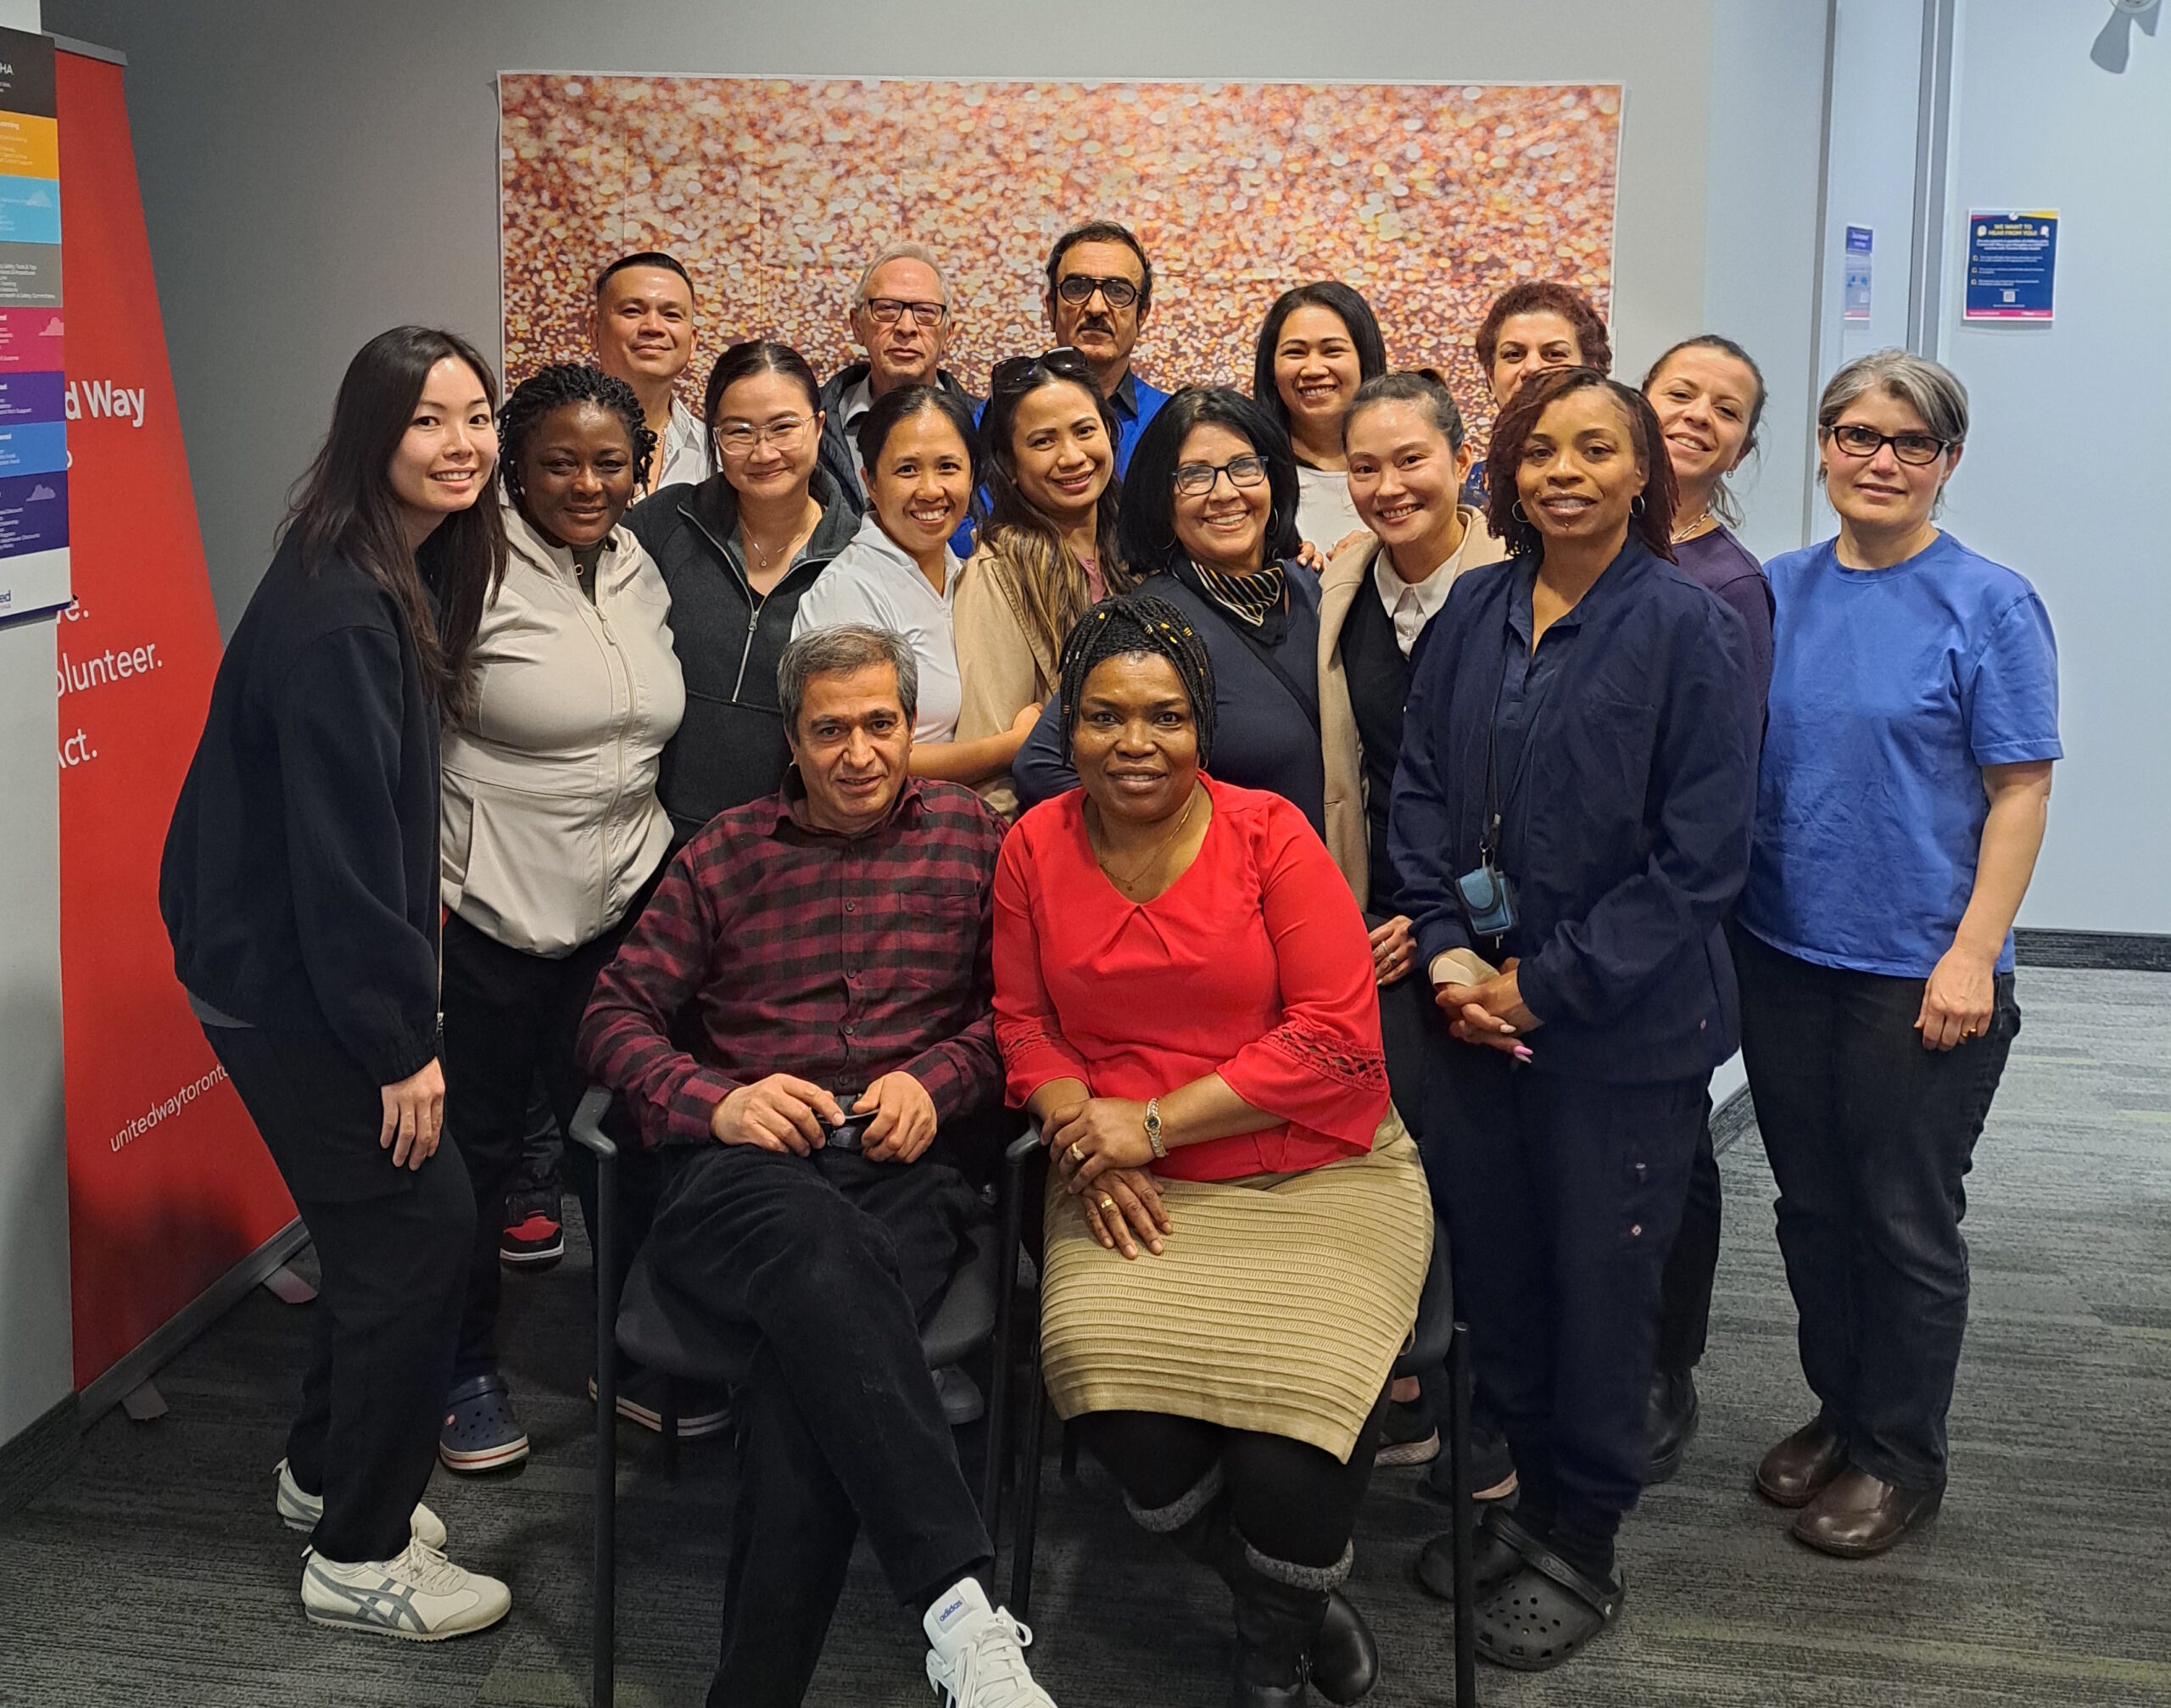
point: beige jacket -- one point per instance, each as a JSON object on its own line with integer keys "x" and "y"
{"x": 1348, "y": 576}
{"x": 1002, "y": 666}
{"x": 549, "y": 819}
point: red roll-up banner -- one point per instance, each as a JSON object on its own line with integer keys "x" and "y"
{"x": 168, "y": 1185}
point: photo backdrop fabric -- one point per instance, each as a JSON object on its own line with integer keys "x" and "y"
{"x": 1430, "y": 199}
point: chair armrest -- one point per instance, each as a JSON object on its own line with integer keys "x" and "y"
{"x": 587, "y": 1124}
{"x": 1021, "y": 1148}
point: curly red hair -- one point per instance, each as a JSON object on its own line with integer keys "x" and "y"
{"x": 1547, "y": 296}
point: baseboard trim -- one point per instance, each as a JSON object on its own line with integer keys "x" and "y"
{"x": 1731, "y": 1120}
{"x": 39, "y": 1454}
{"x": 215, "y": 1300}
{"x": 2116, "y": 951}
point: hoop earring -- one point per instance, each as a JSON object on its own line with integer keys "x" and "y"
{"x": 1636, "y": 505}
{"x": 1517, "y": 510}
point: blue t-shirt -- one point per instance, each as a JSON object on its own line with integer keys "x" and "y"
{"x": 1891, "y": 689}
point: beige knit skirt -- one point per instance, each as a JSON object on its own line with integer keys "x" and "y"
{"x": 1278, "y": 1304}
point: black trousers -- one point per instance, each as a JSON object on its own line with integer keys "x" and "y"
{"x": 387, "y": 1304}
{"x": 1410, "y": 1028}
{"x": 817, "y": 1272}
{"x": 1562, "y": 1198}
{"x": 1870, "y": 1138}
{"x": 509, "y": 1017}
{"x": 1692, "y": 1266}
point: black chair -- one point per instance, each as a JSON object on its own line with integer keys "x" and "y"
{"x": 977, "y": 1307}
{"x": 1439, "y": 1340}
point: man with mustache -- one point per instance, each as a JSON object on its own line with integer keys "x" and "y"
{"x": 642, "y": 330}
{"x": 1100, "y": 286}
{"x": 900, "y": 317}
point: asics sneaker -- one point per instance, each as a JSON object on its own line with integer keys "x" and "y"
{"x": 421, "y": 1596}
{"x": 303, "y": 1511}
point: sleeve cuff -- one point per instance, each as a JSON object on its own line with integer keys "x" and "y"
{"x": 693, "y": 1105}
{"x": 1460, "y": 967}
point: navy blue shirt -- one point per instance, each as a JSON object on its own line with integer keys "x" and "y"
{"x": 1626, "y": 777}
{"x": 1262, "y": 738}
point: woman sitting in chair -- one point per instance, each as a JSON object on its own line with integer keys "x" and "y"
{"x": 1184, "y": 1001}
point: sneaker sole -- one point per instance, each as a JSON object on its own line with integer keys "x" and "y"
{"x": 689, "y": 1428}
{"x": 1409, "y": 1452}
{"x": 531, "y": 1259}
{"x": 365, "y": 1628}
{"x": 484, "y": 1458}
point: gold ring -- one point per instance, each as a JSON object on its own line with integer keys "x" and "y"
{"x": 1077, "y": 1151}
{"x": 1107, "y": 1204}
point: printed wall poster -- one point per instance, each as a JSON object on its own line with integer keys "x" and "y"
{"x": 1428, "y": 199}
{"x": 34, "y": 560}
{"x": 2012, "y": 265}
{"x": 1861, "y": 241}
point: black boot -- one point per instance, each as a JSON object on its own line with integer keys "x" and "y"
{"x": 1276, "y": 1622}
{"x": 1344, "y": 1657}
{"x": 1671, "y": 1422}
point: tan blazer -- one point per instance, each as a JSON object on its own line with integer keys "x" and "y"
{"x": 1349, "y": 575}
{"x": 1002, "y": 668}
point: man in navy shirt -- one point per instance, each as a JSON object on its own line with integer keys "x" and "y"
{"x": 1100, "y": 288}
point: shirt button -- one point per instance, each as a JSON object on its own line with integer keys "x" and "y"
{"x": 1635, "y": 1230}
{"x": 851, "y": 907}
{"x": 847, "y": 1029}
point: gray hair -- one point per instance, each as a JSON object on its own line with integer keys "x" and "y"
{"x": 839, "y": 651}
{"x": 1929, "y": 388}
{"x": 900, "y": 252}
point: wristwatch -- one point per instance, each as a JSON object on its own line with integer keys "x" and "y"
{"x": 1154, "y": 1127}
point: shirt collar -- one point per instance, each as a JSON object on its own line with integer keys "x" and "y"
{"x": 895, "y": 556}
{"x": 522, "y": 536}
{"x": 1124, "y": 400}
{"x": 855, "y": 400}
{"x": 792, "y": 808}
{"x": 1428, "y": 595}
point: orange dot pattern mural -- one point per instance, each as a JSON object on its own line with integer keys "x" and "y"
{"x": 1428, "y": 199}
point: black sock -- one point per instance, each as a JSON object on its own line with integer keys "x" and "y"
{"x": 1585, "y": 1540}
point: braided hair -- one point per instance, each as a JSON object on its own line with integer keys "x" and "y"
{"x": 1126, "y": 624}
{"x": 553, "y": 388}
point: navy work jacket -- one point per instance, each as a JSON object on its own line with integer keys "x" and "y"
{"x": 1627, "y": 783}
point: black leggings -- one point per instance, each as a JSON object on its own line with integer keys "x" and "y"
{"x": 1289, "y": 1499}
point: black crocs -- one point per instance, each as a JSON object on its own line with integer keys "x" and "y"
{"x": 1500, "y": 1547}
{"x": 1545, "y": 1614}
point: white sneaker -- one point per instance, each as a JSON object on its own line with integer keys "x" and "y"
{"x": 303, "y": 1511}
{"x": 421, "y": 1596}
{"x": 977, "y": 1653}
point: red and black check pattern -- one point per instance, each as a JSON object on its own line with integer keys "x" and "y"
{"x": 837, "y": 959}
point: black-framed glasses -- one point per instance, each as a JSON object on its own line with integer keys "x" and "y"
{"x": 889, "y": 311}
{"x": 1918, "y": 450}
{"x": 1196, "y": 479}
{"x": 1077, "y": 289}
{"x": 1015, "y": 373}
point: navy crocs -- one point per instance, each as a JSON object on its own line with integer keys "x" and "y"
{"x": 480, "y": 1431}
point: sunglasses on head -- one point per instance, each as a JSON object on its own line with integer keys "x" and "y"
{"x": 1016, "y": 373}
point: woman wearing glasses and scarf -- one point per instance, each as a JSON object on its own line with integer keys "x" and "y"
{"x": 1208, "y": 521}
{"x": 1049, "y": 550}
{"x": 1906, "y": 782}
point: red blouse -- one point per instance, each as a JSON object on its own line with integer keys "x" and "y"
{"x": 1254, "y": 964}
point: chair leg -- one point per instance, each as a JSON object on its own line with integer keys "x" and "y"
{"x": 671, "y": 1428}
{"x": 1465, "y": 1521}
{"x": 1029, "y": 1492}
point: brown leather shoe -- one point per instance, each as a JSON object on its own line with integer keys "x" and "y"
{"x": 1798, "y": 1467}
{"x": 1859, "y": 1514}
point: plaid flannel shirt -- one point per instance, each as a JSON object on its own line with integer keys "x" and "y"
{"x": 837, "y": 959}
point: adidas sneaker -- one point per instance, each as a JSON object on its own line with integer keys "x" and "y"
{"x": 976, "y": 1653}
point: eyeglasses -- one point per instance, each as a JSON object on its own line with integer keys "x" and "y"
{"x": 1078, "y": 287}
{"x": 1196, "y": 479}
{"x": 738, "y": 437}
{"x": 1015, "y": 373}
{"x": 889, "y": 311}
{"x": 1918, "y": 450}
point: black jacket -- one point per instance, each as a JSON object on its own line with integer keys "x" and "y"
{"x": 730, "y": 747}
{"x": 839, "y": 455}
{"x": 1625, "y": 820}
{"x": 299, "y": 881}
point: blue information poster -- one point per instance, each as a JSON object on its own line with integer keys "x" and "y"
{"x": 2012, "y": 265}
{"x": 1861, "y": 240}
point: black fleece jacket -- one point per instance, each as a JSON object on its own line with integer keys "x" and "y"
{"x": 299, "y": 881}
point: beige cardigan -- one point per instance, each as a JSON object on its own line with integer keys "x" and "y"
{"x": 1348, "y": 575}
{"x": 1002, "y": 666}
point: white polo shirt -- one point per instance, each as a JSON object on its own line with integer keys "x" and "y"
{"x": 871, "y": 581}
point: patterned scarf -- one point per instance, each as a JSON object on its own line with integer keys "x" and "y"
{"x": 1249, "y": 597}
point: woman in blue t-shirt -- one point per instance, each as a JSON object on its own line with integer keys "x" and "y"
{"x": 1901, "y": 801}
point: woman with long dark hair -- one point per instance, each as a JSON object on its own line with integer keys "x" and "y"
{"x": 299, "y": 886}
{"x": 1320, "y": 343}
{"x": 1570, "y": 823}
{"x": 552, "y": 831}
{"x": 1048, "y": 551}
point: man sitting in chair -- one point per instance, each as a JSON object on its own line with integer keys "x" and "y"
{"x": 833, "y": 942}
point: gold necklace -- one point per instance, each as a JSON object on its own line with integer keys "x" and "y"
{"x": 1159, "y": 849}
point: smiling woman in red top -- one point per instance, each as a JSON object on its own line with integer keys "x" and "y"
{"x": 1237, "y": 1227}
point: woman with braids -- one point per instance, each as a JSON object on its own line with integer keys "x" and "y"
{"x": 1571, "y": 824}
{"x": 552, "y": 832}
{"x": 299, "y": 886}
{"x": 1237, "y": 1227}
{"x": 1049, "y": 549}
{"x": 1208, "y": 521}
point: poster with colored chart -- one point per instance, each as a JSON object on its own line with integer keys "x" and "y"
{"x": 34, "y": 565}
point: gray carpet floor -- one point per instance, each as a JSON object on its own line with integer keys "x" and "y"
{"x": 156, "y": 1570}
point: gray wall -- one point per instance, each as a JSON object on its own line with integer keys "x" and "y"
{"x": 37, "y": 1363}
{"x": 313, "y": 172}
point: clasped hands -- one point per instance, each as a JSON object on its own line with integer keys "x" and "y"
{"x": 1491, "y": 1014}
{"x": 1098, "y": 1145}
{"x": 784, "y": 1112}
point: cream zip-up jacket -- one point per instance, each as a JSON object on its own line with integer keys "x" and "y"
{"x": 549, "y": 818}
